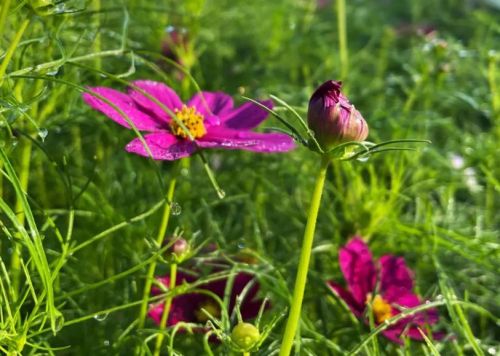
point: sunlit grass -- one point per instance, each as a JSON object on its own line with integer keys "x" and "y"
{"x": 79, "y": 216}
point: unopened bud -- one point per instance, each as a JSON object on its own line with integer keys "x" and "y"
{"x": 245, "y": 335}
{"x": 180, "y": 247}
{"x": 332, "y": 118}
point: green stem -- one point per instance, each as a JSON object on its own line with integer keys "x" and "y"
{"x": 166, "y": 309}
{"x": 305, "y": 256}
{"x": 12, "y": 49}
{"x": 246, "y": 353}
{"x": 342, "y": 31}
{"x": 25, "y": 166}
{"x": 159, "y": 241}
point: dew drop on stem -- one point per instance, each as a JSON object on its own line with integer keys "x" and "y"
{"x": 100, "y": 316}
{"x": 175, "y": 208}
{"x": 42, "y": 133}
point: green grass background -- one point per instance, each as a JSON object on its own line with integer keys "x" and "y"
{"x": 80, "y": 182}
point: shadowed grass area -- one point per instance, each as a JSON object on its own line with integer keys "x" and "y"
{"x": 79, "y": 216}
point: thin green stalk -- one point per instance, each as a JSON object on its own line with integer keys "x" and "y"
{"x": 159, "y": 241}
{"x": 97, "y": 25}
{"x": 25, "y": 165}
{"x": 4, "y": 10}
{"x": 166, "y": 309}
{"x": 342, "y": 31}
{"x": 12, "y": 49}
{"x": 305, "y": 256}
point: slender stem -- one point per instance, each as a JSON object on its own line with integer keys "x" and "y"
{"x": 159, "y": 241}
{"x": 342, "y": 31}
{"x": 305, "y": 256}
{"x": 12, "y": 49}
{"x": 166, "y": 309}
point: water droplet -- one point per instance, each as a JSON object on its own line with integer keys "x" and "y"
{"x": 42, "y": 133}
{"x": 59, "y": 321}
{"x": 241, "y": 244}
{"x": 101, "y": 316}
{"x": 363, "y": 158}
{"x": 492, "y": 351}
{"x": 170, "y": 29}
{"x": 106, "y": 343}
{"x": 52, "y": 72}
{"x": 184, "y": 172}
{"x": 175, "y": 208}
{"x": 221, "y": 193}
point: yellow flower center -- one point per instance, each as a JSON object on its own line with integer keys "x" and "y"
{"x": 191, "y": 119}
{"x": 381, "y": 308}
{"x": 210, "y": 307}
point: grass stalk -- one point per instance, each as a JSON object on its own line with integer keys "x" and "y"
{"x": 305, "y": 256}
{"x": 159, "y": 240}
{"x": 166, "y": 309}
{"x": 342, "y": 32}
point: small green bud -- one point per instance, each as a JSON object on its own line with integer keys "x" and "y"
{"x": 245, "y": 335}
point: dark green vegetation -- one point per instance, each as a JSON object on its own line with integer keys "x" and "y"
{"x": 437, "y": 206}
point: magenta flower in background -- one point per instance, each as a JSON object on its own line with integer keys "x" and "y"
{"x": 210, "y": 117}
{"x": 188, "y": 307}
{"x": 386, "y": 284}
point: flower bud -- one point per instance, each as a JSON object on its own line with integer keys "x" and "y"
{"x": 179, "y": 250}
{"x": 332, "y": 118}
{"x": 180, "y": 247}
{"x": 245, "y": 335}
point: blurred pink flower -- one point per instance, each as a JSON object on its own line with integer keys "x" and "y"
{"x": 210, "y": 118}
{"x": 188, "y": 307}
{"x": 387, "y": 286}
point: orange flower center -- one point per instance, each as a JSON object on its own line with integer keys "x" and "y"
{"x": 209, "y": 307}
{"x": 381, "y": 308}
{"x": 192, "y": 121}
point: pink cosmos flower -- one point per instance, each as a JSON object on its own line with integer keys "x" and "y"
{"x": 188, "y": 307}
{"x": 210, "y": 118}
{"x": 386, "y": 284}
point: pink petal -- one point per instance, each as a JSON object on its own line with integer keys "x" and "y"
{"x": 161, "y": 92}
{"x": 219, "y": 137}
{"x": 247, "y": 116}
{"x": 141, "y": 120}
{"x": 163, "y": 146}
{"x": 395, "y": 277}
{"x": 347, "y": 297}
{"x": 357, "y": 265}
{"x": 394, "y": 334}
{"x": 211, "y": 103}
{"x": 410, "y": 300}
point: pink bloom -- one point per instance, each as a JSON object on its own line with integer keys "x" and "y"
{"x": 188, "y": 307}
{"x": 387, "y": 285}
{"x": 210, "y": 117}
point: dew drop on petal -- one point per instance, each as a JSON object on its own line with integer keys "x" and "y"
{"x": 175, "y": 208}
{"x": 101, "y": 316}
